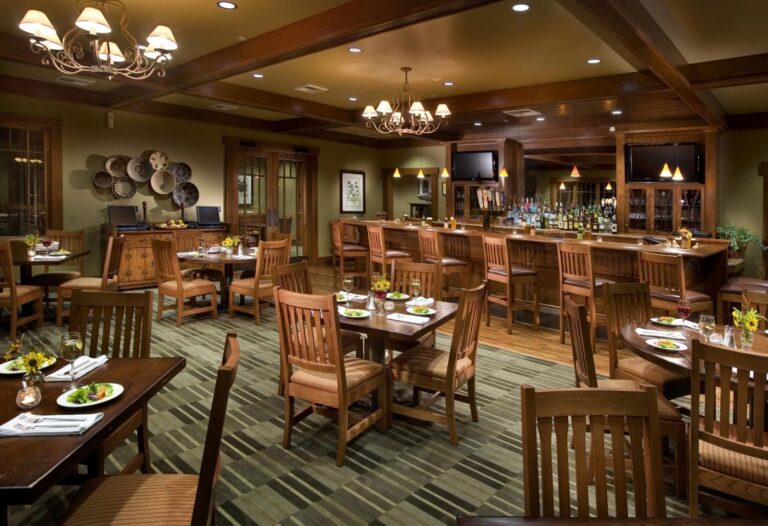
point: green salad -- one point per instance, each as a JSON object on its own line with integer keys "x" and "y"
{"x": 667, "y": 344}
{"x": 354, "y": 313}
{"x": 90, "y": 393}
{"x": 397, "y": 295}
{"x": 420, "y": 309}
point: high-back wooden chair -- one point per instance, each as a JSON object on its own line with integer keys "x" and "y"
{"x": 630, "y": 420}
{"x": 350, "y": 233}
{"x": 107, "y": 281}
{"x": 407, "y": 271}
{"x": 271, "y": 254}
{"x": 380, "y": 254}
{"x": 280, "y": 236}
{"x": 13, "y": 296}
{"x": 731, "y": 294}
{"x": 665, "y": 275}
{"x": 758, "y": 300}
{"x": 631, "y": 303}
{"x": 71, "y": 240}
{"x": 433, "y": 251}
{"x": 118, "y": 324}
{"x": 729, "y": 450}
{"x": 315, "y": 370}
{"x": 444, "y": 372}
{"x": 345, "y": 253}
{"x": 670, "y": 421}
{"x": 171, "y": 282}
{"x": 499, "y": 269}
{"x": 164, "y": 499}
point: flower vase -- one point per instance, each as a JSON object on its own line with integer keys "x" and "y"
{"x": 228, "y": 251}
{"x": 378, "y": 302}
{"x": 35, "y": 379}
{"x": 31, "y": 252}
{"x": 747, "y": 338}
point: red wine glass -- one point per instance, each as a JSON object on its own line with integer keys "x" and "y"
{"x": 684, "y": 309}
{"x": 46, "y": 244}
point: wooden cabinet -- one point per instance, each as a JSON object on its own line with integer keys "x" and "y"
{"x": 465, "y": 203}
{"x": 662, "y": 208}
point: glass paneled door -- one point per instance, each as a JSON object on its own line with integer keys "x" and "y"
{"x": 290, "y": 202}
{"x": 22, "y": 181}
{"x": 252, "y": 194}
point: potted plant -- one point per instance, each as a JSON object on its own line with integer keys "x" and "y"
{"x": 739, "y": 238}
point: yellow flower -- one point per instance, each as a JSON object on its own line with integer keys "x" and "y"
{"x": 751, "y": 325}
{"x": 34, "y": 361}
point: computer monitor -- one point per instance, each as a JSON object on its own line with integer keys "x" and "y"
{"x": 208, "y": 215}
{"x": 122, "y": 214}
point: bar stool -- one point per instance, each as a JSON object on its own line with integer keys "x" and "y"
{"x": 665, "y": 276}
{"x": 431, "y": 246}
{"x": 379, "y": 253}
{"x": 578, "y": 279}
{"x": 731, "y": 293}
{"x": 499, "y": 269}
{"x": 343, "y": 251}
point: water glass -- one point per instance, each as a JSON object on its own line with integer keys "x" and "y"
{"x": 70, "y": 349}
{"x": 389, "y": 306}
{"x": 707, "y": 325}
{"x": 416, "y": 287}
{"x": 348, "y": 283}
{"x": 640, "y": 242}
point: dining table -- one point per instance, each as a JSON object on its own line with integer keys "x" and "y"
{"x": 26, "y": 263}
{"x": 227, "y": 261}
{"x": 31, "y": 465}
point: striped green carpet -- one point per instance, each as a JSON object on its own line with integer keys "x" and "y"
{"x": 410, "y": 475}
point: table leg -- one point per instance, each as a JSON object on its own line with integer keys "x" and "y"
{"x": 25, "y": 273}
{"x": 229, "y": 275}
{"x": 3, "y": 515}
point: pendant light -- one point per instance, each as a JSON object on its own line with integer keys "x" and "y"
{"x": 665, "y": 172}
{"x": 575, "y": 172}
{"x": 420, "y": 175}
{"x": 503, "y": 172}
{"x": 678, "y": 175}
{"x": 608, "y": 187}
{"x": 396, "y": 175}
{"x": 445, "y": 174}
{"x": 562, "y": 185}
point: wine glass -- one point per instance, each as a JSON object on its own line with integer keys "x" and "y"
{"x": 348, "y": 283}
{"x": 416, "y": 287}
{"x": 46, "y": 242}
{"x": 707, "y": 325}
{"x": 389, "y": 306}
{"x": 684, "y": 309}
{"x": 70, "y": 349}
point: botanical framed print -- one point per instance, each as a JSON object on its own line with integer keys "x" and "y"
{"x": 352, "y": 192}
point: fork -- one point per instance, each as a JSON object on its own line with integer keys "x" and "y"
{"x": 33, "y": 419}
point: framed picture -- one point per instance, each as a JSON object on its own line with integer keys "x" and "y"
{"x": 352, "y": 192}
{"x": 425, "y": 186}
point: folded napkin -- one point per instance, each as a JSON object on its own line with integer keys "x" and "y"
{"x": 43, "y": 257}
{"x": 83, "y": 366}
{"x": 396, "y": 316}
{"x": 351, "y": 296}
{"x": 187, "y": 254}
{"x": 28, "y": 424}
{"x": 40, "y": 247}
{"x": 660, "y": 334}
{"x": 427, "y": 302}
{"x": 691, "y": 325}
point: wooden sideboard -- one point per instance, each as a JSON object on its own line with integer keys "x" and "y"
{"x": 137, "y": 265}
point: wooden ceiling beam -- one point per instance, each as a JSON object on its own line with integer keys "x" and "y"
{"x": 176, "y": 111}
{"x": 47, "y": 90}
{"x": 302, "y": 123}
{"x": 728, "y": 72}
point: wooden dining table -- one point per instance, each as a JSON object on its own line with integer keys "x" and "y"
{"x": 30, "y": 466}
{"x": 26, "y": 263}
{"x": 228, "y": 262}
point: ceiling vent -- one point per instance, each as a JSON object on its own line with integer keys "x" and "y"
{"x": 74, "y": 81}
{"x": 311, "y": 89}
{"x": 224, "y": 107}
{"x": 527, "y": 112}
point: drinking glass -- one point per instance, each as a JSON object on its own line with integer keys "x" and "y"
{"x": 46, "y": 244}
{"x": 707, "y": 325}
{"x": 348, "y": 283}
{"x": 684, "y": 309}
{"x": 389, "y": 306}
{"x": 70, "y": 349}
{"x": 640, "y": 242}
{"x": 416, "y": 287}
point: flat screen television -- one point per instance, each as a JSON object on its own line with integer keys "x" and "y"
{"x": 474, "y": 166}
{"x": 644, "y": 162}
{"x": 122, "y": 214}
{"x": 208, "y": 215}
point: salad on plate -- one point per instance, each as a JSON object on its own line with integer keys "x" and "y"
{"x": 90, "y": 393}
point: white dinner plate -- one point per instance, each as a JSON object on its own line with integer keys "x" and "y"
{"x": 4, "y": 367}
{"x": 404, "y": 296}
{"x": 117, "y": 390}
{"x": 362, "y": 313}
{"x": 656, "y": 342}
{"x": 429, "y": 312}
{"x": 676, "y": 322}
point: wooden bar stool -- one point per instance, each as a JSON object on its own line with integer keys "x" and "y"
{"x": 577, "y": 278}
{"x": 665, "y": 276}
{"x": 343, "y": 252}
{"x": 499, "y": 269}
{"x": 379, "y": 253}
{"x": 731, "y": 293}
{"x": 432, "y": 251}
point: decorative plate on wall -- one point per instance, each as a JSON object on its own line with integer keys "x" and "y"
{"x": 162, "y": 182}
{"x": 117, "y": 165}
{"x": 181, "y": 172}
{"x": 186, "y": 195}
{"x": 124, "y": 188}
{"x": 159, "y": 161}
{"x": 139, "y": 169}
{"x": 102, "y": 180}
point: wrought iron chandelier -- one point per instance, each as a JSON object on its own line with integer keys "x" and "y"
{"x": 89, "y": 47}
{"x": 405, "y": 114}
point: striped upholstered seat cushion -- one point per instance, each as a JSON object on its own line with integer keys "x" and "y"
{"x": 733, "y": 464}
{"x": 648, "y": 372}
{"x": 356, "y": 370}
{"x": 148, "y": 500}
{"x": 428, "y": 361}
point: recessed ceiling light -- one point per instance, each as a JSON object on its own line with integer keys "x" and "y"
{"x": 227, "y": 5}
{"x": 258, "y": 75}
{"x": 540, "y": 119}
{"x": 449, "y": 83}
{"x": 521, "y": 8}
{"x": 616, "y": 112}
{"x": 478, "y": 124}
{"x": 355, "y": 50}
{"x": 593, "y": 61}
{"x": 352, "y": 99}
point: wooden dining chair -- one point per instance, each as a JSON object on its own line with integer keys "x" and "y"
{"x": 443, "y": 373}
{"x": 665, "y": 275}
{"x": 270, "y": 254}
{"x": 71, "y": 240}
{"x": 345, "y": 252}
{"x": 431, "y": 245}
{"x": 380, "y": 254}
{"x": 13, "y": 296}
{"x": 670, "y": 421}
{"x": 160, "y": 499}
{"x": 316, "y": 371}
{"x": 171, "y": 282}
{"x": 758, "y": 300}
{"x": 627, "y": 416}
{"x": 405, "y": 273}
{"x": 119, "y": 325}
{"x": 729, "y": 450}
{"x": 107, "y": 281}
{"x": 731, "y": 293}
{"x": 631, "y": 303}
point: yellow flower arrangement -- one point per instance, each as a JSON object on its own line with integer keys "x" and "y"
{"x": 230, "y": 241}
{"x": 382, "y": 284}
{"x": 33, "y": 361}
{"x": 747, "y": 317}
{"x": 31, "y": 240}
{"x": 13, "y": 349}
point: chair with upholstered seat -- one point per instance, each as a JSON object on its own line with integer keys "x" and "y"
{"x": 158, "y": 498}
{"x": 670, "y": 421}
{"x": 72, "y": 241}
{"x": 345, "y": 252}
{"x": 316, "y": 370}
{"x": 170, "y": 282}
{"x": 380, "y": 254}
{"x": 107, "y": 281}
{"x": 443, "y": 373}
{"x": 13, "y": 296}
{"x": 402, "y": 281}
{"x": 665, "y": 275}
{"x": 433, "y": 251}
{"x": 270, "y": 254}
{"x": 731, "y": 294}
{"x": 625, "y": 420}
{"x": 631, "y": 303}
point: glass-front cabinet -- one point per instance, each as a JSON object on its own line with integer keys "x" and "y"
{"x": 690, "y": 208}
{"x": 663, "y": 208}
{"x": 637, "y": 215}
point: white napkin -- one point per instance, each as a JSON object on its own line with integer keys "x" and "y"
{"x": 660, "y": 334}
{"x": 41, "y": 247}
{"x": 426, "y": 302}
{"x": 396, "y": 316}
{"x": 186, "y": 254}
{"x": 83, "y": 366}
{"x": 351, "y": 296}
{"x": 691, "y": 325}
{"x": 28, "y": 424}
{"x": 42, "y": 257}
{"x": 241, "y": 256}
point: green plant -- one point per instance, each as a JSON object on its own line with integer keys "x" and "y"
{"x": 739, "y": 237}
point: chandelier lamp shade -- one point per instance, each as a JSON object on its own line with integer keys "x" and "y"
{"x": 91, "y": 46}
{"x": 405, "y": 114}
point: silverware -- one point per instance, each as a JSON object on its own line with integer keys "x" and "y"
{"x": 31, "y": 419}
{"x": 23, "y": 427}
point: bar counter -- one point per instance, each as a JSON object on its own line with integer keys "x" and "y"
{"x": 615, "y": 256}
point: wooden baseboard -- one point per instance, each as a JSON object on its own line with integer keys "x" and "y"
{"x": 323, "y": 260}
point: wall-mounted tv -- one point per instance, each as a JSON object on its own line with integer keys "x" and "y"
{"x": 474, "y": 166}
{"x": 643, "y": 162}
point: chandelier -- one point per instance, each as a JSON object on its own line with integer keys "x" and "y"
{"x": 404, "y": 115}
{"x": 89, "y": 47}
